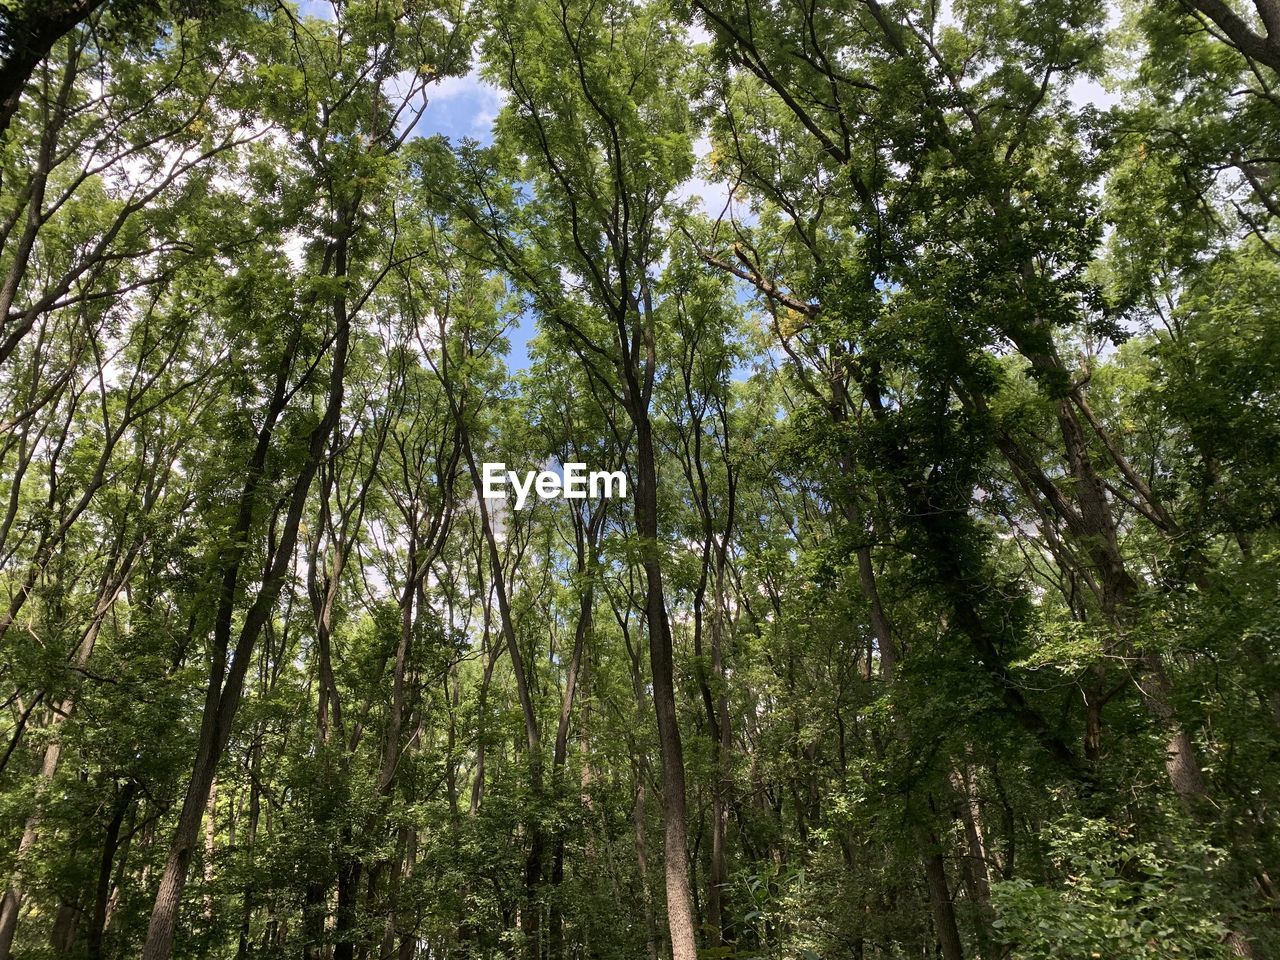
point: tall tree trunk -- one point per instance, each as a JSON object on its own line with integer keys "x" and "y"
{"x": 222, "y": 698}
{"x": 661, "y": 664}
{"x": 251, "y": 842}
{"x": 586, "y": 538}
{"x": 210, "y": 837}
{"x": 102, "y": 891}
{"x": 12, "y": 902}
{"x": 971, "y": 815}
{"x": 943, "y": 911}
{"x": 944, "y": 914}
{"x": 62, "y": 936}
{"x": 344, "y": 927}
{"x": 722, "y": 798}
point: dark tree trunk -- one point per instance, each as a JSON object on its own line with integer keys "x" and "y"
{"x": 662, "y": 669}
{"x": 944, "y": 914}
{"x": 102, "y": 891}
{"x": 29, "y": 35}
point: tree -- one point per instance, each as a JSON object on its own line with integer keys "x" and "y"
{"x": 938, "y": 616}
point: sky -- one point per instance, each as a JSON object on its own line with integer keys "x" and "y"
{"x": 461, "y": 107}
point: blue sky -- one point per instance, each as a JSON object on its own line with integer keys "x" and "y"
{"x": 461, "y": 107}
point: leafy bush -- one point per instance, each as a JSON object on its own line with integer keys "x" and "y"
{"x": 1115, "y": 898}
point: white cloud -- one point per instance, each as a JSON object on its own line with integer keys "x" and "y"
{"x": 470, "y": 86}
{"x": 455, "y": 97}
{"x": 317, "y": 8}
{"x": 1086, "y": 91}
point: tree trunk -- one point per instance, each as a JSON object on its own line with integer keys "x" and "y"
{"x": 944, "y": 914}
{"x": 63, "y": 935}
{"x": 531, "y": 912}
{"x": 344, "y": 928}
{"x": 661, "y": 665}
{"x": 251, "y": 841}
{"x": 102, "y": 892}
{"x": 223, "y": 699}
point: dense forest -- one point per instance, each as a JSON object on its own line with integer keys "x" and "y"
{"x": 938, "y": 342}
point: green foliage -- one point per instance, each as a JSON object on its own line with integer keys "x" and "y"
{"x": 1114, "y": 897}
{"x": 949, "y": 404}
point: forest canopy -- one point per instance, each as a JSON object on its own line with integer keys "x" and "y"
{"x": 937, "y": 344}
